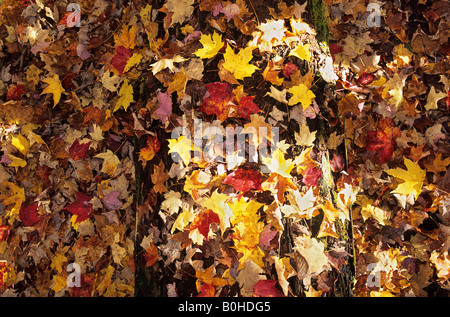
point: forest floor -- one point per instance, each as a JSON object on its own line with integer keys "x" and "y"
{"x": 217, "y": 148}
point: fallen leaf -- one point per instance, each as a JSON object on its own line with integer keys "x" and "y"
{"x": 54, "y": 87}
{"x": 238, "y": 64}
{"x": 301, "y": 94}
{"x": 211, "y": 45}
{"x": 413, "y": 178}
{"x": 28, "y": 214}
{"x": 80, "y": 207}
{"x": 266, "y": 288}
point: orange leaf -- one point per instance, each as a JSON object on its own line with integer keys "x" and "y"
{"x": 151, "y": 255}
{"x": 203, "y": 220}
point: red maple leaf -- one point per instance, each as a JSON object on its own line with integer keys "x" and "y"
{"x": 247, "y": 107}
{"x": 311, "y": 176}
{"x": 203, "y": 220}
{"x": 220, "y": 97}
{"x": 206, "y": 290}
{"x": 15, "y": 92}
{"x": 4, "y": 233}
{"x": 365, "y": 79}
{"x": 121, "y": 58}
{"x": 78, "y": 151}
{"x": 28, "y": 214}
{"x": 244, "y": 180}
{"x": 266, "y": 288}
{"x": 288, "y": 69}
{"x": 379, "y": 142}
{"x": 81, "y": 207}
{"x": 85, "y": 289}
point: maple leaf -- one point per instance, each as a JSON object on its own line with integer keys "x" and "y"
{"x": 15, "y": 92}
{"x": 110, "y": 162}
{"x": 206, "y": 281}
{"x": 379, "y": 142}
{"x": 413, "y": 178}
{"x": 277, "y": 94}
{"x": 149, "y": 151}
{"x": 127, "y": 37}
{"x": 433, "y": 98}
{"x": 202, "y": 222}
{"x": 4, "y": 233}
{"x": 278, "y": 185}
{"x": 181, "y": 10}
{"x": 273, "y": 30}
{"x": 266, "y": 288}
{"x": 80, "y": 207}
{"x": 166, "y": 63}
{"x": 125, "y": 96}
{"x": 218, "y": 101}
{"x": 211, "y": 45}
{"x": 165, "y": 106}
{"x": 247, "y": 107}
{"x": 238, "y": 64}
{"x": 183, "y": 146}
{"x": 277, "y": 164}
{"x": 120, "y": 59}
{"x": 132, "y": 61}
{"x": 54, "y": 87}
{"x": 305, "y": 136}
{"x": 244, "y": 180}
{"x": 20, "y": 143}
{"x": 311, "y": 176}
{"x": 78, "y": 151}
{"x": 218, "y": 203}
{"x": 172, "y": 202}
{"x": 302, "y": 52}
{"x": 301, "y": 94}
{"x": 271, "y": 72}
{"x": 301, "y": 206}
{"x": 111, "y": 201}
{"x": 28, "y": 214}
{"x": 393, "y": 90}
{"x": 288, "y": 69}
{"x": 159, "y": 177}
{"x": 151, "y": 255}
{"x": 312, "y": 251}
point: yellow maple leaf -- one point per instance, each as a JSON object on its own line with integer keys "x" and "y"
{"x": 302, "y": 52}
{"x": 218, "y": 203}
{"x": 54, "y": 87}
{"x": 178, "y": 83}
{"x": 301, "y": 94}
{"x": 413, "y": 178}
{"x": 277, "y": 164}
{"x": 238, "y": 64}
{"x": 183, "y": 219}
{"x": 211, "y": 45}
{"x": 16, "y": 161}
{"x": 110, "y": 162}
{"x": 21, "y": 143}
{"x": 393, "y": 90}
{"x": 125, "y": 96}
{"x": 12, "y": 194}
{"x": 133, "y": 60}
{"x": 183, "y": 146}
{"x": 127, "y": 37}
